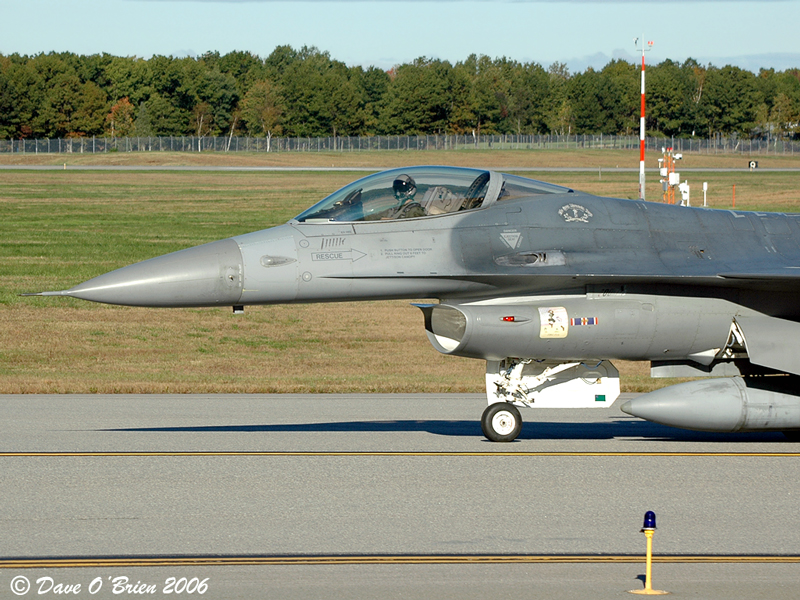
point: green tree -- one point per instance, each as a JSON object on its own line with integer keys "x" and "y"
{"x": 670, "y": 99}
{"x": 784, "y": 115}
{"x": 418, "y": 98}
{"x": 246, "y": 69}
{"x": 214, "y": 90}
{"x": 8, "y": 116}
{"x": 731, "y": 100}
{"x": 281, "y": 59}
{"x": 90, "y": 111}
{"x": 486, "y": 98}
{"x": 625, "y": 85}
{"x": 558, "y": 117}
{"x": 374, "y": 82}
{"x": 529, "y": 98}
{"x": 340, "y": 103}
{"x": 597, "y": 103}
{"x": 309, "y": 93}
{"x": 261, "y": 109}
{"x": 25, "y": 93}
{"x": 165, "y": 117}
{"x": 320, "y": 97}
{"x": 785, "y": 103}
{"x": 142, "y": 126}
{"x": 167, "y": 76}
{"x": 129, "y": 77}
{"x": 60, "y": 103}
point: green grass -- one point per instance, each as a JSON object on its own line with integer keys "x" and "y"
{"x": 58, "y": 229}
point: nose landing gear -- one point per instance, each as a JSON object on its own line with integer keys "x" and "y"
{"x": 501, "y": 422}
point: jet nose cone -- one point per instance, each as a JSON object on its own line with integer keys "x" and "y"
{"x": 626, "y": 408}
{"x": 207, "y": 275}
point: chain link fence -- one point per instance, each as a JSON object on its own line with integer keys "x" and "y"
{"x": 86, "y": 145}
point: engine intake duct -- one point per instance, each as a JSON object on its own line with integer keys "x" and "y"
{"x": 444, "y": 325}
{"x": 484, "y": 332}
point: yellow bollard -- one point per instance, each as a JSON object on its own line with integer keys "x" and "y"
{"x": 649, "y": 529}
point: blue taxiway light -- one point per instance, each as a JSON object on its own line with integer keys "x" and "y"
{"x": 649, "y": 521}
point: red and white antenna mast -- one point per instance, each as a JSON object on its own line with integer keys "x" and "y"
{"x": 645, "y": 47}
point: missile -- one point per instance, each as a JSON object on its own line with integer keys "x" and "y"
{"x": 723, "y": 405}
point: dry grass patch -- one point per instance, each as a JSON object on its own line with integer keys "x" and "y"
{"x": 350, "y": 347}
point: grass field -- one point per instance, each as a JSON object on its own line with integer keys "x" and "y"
{"x": 58, "y": 228}
{"x": 604, "y": 158}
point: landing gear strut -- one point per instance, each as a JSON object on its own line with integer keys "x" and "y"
{"x": 501, "y": 422}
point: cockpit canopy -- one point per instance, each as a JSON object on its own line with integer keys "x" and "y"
{"x": 414, "y": 192}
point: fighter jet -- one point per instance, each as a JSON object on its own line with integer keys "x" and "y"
{"x": 546, "y": 284}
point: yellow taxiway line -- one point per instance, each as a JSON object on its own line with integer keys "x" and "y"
{"x": 393, "y": 454}
{"x": 221, "y": 561}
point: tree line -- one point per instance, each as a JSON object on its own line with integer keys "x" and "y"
{"x": 305, "y": 92}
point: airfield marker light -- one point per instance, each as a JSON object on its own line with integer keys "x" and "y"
{"x": 648, "y": 529}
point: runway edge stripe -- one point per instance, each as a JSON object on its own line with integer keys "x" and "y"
{"x": 193, "y": 561}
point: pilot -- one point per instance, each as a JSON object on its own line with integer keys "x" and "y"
{"x": 404, "y": 188}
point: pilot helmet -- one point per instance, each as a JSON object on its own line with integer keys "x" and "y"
{"x": 404, "y": 187}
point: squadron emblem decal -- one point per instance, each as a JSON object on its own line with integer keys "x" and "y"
{"x": 572, "y": 213}
{"x": 553, "y": 322}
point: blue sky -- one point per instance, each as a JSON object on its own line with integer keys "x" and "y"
{"x": 747, "y": 33}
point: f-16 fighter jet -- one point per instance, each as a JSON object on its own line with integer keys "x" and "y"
{"x": 544, "y": 283}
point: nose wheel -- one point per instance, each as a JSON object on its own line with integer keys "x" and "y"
{"x": 501, "y": 422}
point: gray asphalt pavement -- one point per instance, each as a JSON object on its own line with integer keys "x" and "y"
{"x": 437, "y": 582}
{"x": 462, "y": 504}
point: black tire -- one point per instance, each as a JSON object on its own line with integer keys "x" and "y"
{"x": 501, "y": 422}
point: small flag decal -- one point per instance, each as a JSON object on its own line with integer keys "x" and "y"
{"x": 576, "y": 321}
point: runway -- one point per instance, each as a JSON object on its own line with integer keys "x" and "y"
{"x": 293, "y": 496}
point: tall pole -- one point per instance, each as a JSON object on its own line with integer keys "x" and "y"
{"x": 645, "y": 48}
